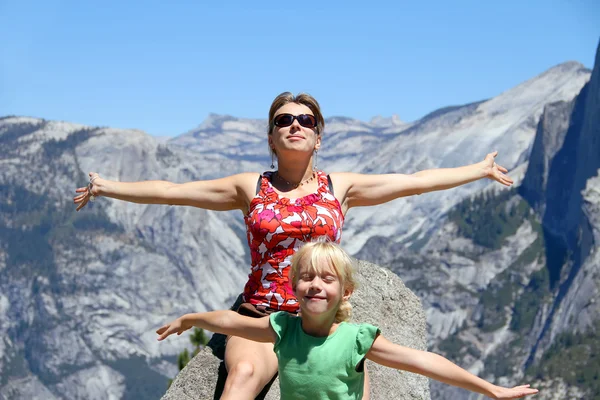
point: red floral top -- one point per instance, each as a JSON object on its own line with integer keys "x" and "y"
{"x": 276, "y": 227}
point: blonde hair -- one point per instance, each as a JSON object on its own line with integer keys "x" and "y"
{"x": 302, "y": 98}
{"x": 320, "y": 253}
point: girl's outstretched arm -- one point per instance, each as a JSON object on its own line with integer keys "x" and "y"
{"x": 355, "y": 190}
{"x": 226, "y": 322}
{"x": 439, "y": 368}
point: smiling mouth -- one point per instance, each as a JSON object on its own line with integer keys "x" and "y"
{"x": 314, "y": 298}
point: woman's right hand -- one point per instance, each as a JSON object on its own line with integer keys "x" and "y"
{"x": 88, "y": 192}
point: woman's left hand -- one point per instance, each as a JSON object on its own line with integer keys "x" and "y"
{"x": 495, "y": 171}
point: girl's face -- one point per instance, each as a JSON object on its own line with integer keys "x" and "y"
{"x": 319, "y": 290}
{"x": 294, "y": 137}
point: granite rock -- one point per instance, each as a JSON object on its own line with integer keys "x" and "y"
{"x": 381, "y": 299}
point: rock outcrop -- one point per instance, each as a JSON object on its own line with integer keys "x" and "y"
{"x": 570, "y": 221}
{"x": 382, "y": 300}
{"x": 575, "y": 163}
{"x": 549, "y": 139}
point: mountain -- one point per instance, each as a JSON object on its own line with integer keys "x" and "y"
{"x": 510, "y": 278}
{"x": 81, "y": 293}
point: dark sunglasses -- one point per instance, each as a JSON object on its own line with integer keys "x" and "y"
{"x": 306, "y": 120}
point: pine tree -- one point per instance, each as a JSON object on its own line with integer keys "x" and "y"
{"x": 198, "y": 339}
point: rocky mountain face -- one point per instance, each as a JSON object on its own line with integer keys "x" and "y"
{"x": 549, "y": 139}
{"x": 570, "y": 203}
{"x": 510, "y": 279}
{"x": 82, "y": 293}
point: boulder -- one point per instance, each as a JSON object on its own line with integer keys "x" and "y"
{"x": 381, "y": 299}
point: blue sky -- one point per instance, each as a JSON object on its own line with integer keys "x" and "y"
{"x": 164, "y": 67}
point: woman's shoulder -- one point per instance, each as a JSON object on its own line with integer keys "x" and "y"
{"x": 249, "y": 178}
{"x": 343, "y": 176}
{"x": 245, "y": 183}
{"x": 244, "y": 178}
{"x": 248, "y": 175}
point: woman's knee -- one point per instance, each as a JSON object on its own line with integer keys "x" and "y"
{"x": 250, "y": 365}
{"x": 243, "y": 371}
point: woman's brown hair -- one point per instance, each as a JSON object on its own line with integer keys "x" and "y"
{"x": 302, "y": 98}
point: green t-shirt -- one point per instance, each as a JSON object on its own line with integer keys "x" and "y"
{"x": 320, "y": 367}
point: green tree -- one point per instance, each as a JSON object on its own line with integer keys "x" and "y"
{"x": 183, "y": 359}
{"x": 199, "y": 340}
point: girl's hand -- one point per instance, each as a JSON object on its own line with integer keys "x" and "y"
{"x": 514, "y": 393}
{"x": 87, "y": 193}
{"x": 178, "y": 326}
{"x": 495, "y": 171}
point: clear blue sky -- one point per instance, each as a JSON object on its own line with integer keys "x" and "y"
{"x": 164, "y": 66}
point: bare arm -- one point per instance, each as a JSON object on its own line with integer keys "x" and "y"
{"x": 230, "y": 193}
{"x": 356, "y": 190}
{"x": 226, "y": 322}
{"x": 439, "y": 368}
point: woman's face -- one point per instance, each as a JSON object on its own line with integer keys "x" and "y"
{"x": 294, "y": 137}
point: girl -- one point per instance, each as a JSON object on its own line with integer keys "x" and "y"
{"x": 282, "y": 210}
{"x": 320, "y": 355}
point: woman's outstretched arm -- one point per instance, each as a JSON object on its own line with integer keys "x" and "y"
{"x": 439, "y": 368}
{"x": 226, "y": 322}
{"x": 356, "y": 190}
{"x": 230, "y": 193}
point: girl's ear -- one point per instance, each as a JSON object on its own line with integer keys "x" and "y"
{"x": 347, "y": 294}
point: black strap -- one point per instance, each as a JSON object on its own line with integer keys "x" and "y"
{"x": 329, "y": 184}
{"x": 258, "y": 184}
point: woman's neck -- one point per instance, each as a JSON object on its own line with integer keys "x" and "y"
{"x": 295, "y": 172}
{"x": 293, "y": 184}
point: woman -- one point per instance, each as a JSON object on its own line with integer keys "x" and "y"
{"x": 283, "y": 210}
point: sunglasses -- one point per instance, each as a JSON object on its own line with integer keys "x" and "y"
{"x": 306, "y": 120}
